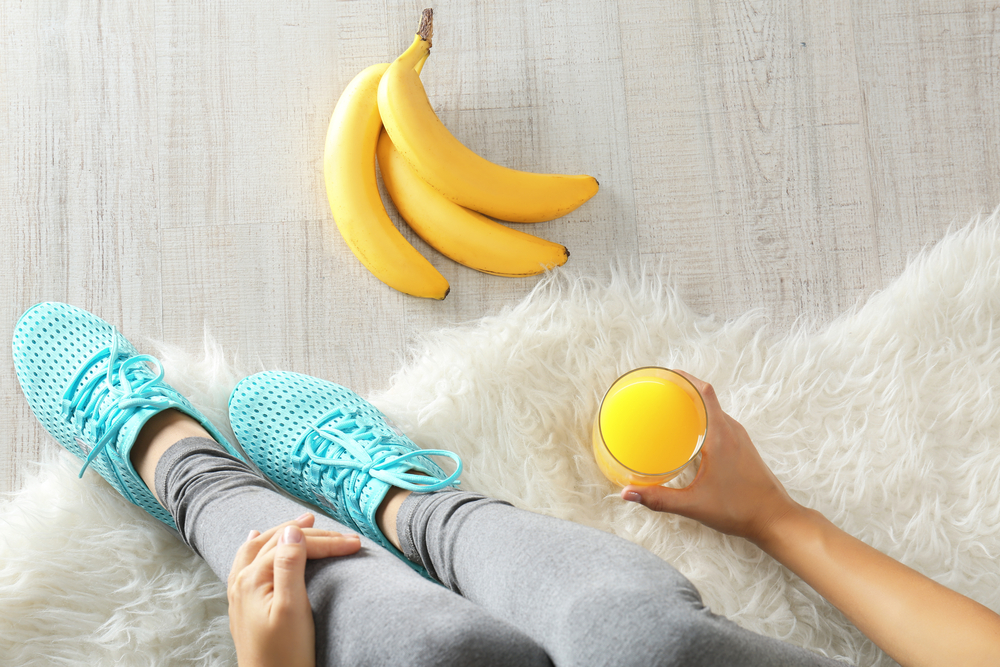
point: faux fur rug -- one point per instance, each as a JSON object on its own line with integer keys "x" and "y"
{"x": 887, "y": 420}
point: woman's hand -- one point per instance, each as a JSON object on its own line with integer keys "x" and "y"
{"x": 734, "y": 491}
{"x": 269, "y": 613}
{"x": 917, "y": 621}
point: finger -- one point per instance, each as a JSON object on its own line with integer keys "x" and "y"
{"x": 257, "y": 541}
{"x": 660, "y": 498}
{"x": 289, "y": 570}
{"x": 305, "y": 520}
{"x": 706, "y": 390}
{"x": 261, "y": 543}
{"x": 323, "y": 546}
{"x": 260, "y": 572}
{"x": 320, "y": 544}
{"x": 269, "y": 537}
{"x": 717, "y": 420}
{"x": 244, "y": 556}
{"x": 697, "y": 382}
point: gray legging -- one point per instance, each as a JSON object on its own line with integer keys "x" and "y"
{"x": 518, "y": 588}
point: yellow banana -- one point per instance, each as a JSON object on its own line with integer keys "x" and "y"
{"x": 458, "y": 173}
{"x": 349, "y": 168}
{"x": 465, "y": 236}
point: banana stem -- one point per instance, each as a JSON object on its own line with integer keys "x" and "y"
{"x": 426, "y": 27}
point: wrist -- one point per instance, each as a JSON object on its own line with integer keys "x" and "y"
{"x": 792, "y": 527}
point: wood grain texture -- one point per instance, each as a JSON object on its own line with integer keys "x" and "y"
{"x": 79, "y": 202}
{"x": 162, "y": 161}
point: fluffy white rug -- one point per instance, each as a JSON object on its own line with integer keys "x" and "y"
{"x": 886, "y": 419}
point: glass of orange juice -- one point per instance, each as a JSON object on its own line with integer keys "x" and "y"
{"x": 650, "y": 426}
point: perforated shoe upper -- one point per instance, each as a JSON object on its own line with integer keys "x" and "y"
{"x": 327, "y": 446}
{"x": 93, "y": 392}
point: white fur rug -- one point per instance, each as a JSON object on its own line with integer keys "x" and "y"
{"x": 886, "y": 419}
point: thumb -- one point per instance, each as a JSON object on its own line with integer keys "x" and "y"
{"x": 290, "y": 569}
{"x": 659, "y": 498}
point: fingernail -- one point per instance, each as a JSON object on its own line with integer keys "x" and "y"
{"x": 303, "y": 516}
{"x": 291, "y": 535}
{"x": 253, "y": 534}
{"x": 632, "y": 497}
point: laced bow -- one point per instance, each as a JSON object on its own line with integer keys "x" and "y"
{"x": 102, "y": 406}
{"x": 341, "y": 430}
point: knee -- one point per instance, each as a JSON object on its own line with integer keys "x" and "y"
{"x": 666, "y": 625}
{"x": 475, "y": 639}
{"x": 686, "y": 635}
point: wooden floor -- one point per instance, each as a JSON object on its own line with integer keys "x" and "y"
{"x": 161, "y": 161}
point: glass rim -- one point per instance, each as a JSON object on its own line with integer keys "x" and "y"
{"x": 698, "y": 445}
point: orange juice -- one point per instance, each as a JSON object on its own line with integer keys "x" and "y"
{"x": 650, "y": 425}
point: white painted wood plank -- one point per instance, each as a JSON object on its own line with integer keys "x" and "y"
{"x": 79, "y": 201}
{"x": 930, "y": 78}
{"x": 278, "y": 298}
{"x": 750, "y": 189}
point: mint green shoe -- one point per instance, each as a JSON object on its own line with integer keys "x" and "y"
{"x": 326, "y": 445}
{"x": 93, "y": 392}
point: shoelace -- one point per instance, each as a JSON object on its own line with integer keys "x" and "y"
{"x": 134, "y": 390}
{"x": 339, "y": 431}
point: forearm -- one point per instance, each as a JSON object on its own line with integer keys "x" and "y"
{"x": 912, "y": 618}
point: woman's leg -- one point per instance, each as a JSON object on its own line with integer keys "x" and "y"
{"x": 585, "y": 596}
{"x": 109, "y": 406}
{"x": 588, "y": 597}
{"x": 369, "y": 608}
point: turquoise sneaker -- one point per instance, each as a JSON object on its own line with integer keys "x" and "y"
{"x": 326, "y": 445}
{"x": 93, "y": 392}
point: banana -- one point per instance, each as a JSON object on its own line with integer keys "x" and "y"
{"x": 349, "y": 168}
{"x": 465, "y": 236}
{"x": 458, "y": 173}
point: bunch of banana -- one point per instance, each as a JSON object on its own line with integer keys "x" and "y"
{"x": 442, "y": 190}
